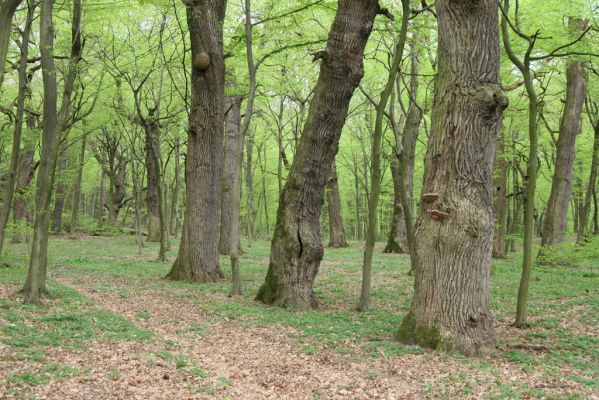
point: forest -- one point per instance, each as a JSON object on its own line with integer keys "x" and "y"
{"x": 305, "y": 199}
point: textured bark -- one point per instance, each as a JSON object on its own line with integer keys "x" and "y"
{"x": 296, "y": 249}
{"x": 7, "y": 10}
{"x": 500, "y": 198}
{"x": 336, "y": 229}
{"x": 586, "y": 207}
{"x": 153, "y": 181}
{"x": 231, "y": 171}
{"x": 16, "y": 145}
{"x": 556, "y": 218}
{"x": 197, "y": 259}
{"x": 25, "y": 172}
{"x": 450, "y": 308}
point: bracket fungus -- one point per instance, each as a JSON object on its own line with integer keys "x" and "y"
{"x": 437, "y": 214}
{"x": 430, "y": 197}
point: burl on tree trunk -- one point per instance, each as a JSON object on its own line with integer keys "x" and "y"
{"x": 197, "y": 259}
{"x": 454, "y": 233}
{"x": 296, "y": 248}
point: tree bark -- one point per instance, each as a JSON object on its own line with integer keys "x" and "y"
{"x": 556, "y": 218}
{"x": 375, "y": 168}
{"x": 53, "y": 125}
{"x": 16, "y": 144}
{"x": 25, "y": 172}
{"x": 77, "y": 188}
{"x": 586, "y": 207}
{"x": 500, "y": 198}
{"x": 59, "y": 193}
{"x": 152, "y": 141}
{"x": 197, "y": 259}
{"x": 231, "y": 171}
{"x": 249, "y": 186}
{"x": 7, "y": 10}
{"x": 296, "y": 248}
{"x": 453, "y": 238}
{"x": 174, "y": 221}
{"x": 336, "y": 229}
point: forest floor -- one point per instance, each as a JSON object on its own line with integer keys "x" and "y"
{"x": 112, "y": 328}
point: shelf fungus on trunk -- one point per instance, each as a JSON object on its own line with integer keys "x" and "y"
{"x": 201, "y": 62}
{"x": 438, "y": 215}
{"x": 430, "y": 197}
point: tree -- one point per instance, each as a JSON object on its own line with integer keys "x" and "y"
{"x": 16, "y": 144}
{"x": 336, "y": 230}
{"x": 375, "y": 169}
{"x": 453, "y": 235}
{"x": 593, "y": 113}
{"x": 53, "y": 125}
{"x": 556, "y": 217}
{"x": 296, "y": 249}
{"x": 197, "y": 259}
{"x": 7, "y": 10}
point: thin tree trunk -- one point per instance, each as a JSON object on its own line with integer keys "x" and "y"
{"x": 358, "y": 201}
{"x": 174, "y": 222}
{"x": 336, "y": 229}
{"x": 7, "y": 10}
{"x": 500, "y": 198}
{"x": 25, "y": 172}
{"x": 375, "y": 189}
{"x": 53, "y": 125}
{"x": 296, "y": 248}
{"x": 556, "y": 218}
{"x": 77, "y": 189}
{"x": 453, "y": 236}
{"x": 16, "y": 144}
{"x": 231, "y": 172}
{"x": 59, "y": 196}
{"x": 249, "y": 209}
{"x": 153, "y": 182}
{"x": 586, "y": 207}
{"x": 197, "y": 259}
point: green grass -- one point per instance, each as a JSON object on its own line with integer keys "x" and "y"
{"x": 563, "y": 308}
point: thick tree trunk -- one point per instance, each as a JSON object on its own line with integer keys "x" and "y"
{"x": 16, "y": 145}
{"x": 77, "y": 188}
{"x": 59, "y": 193}
{"x": 7, "y": 10}
{"x": 586, "y": 207}
{"x": 500, "y": 198}
{"x": 453, "y": 238}
{"x": 296, "y": 248}
{"x": 153, "y": 181}
{"x": 336, "y": 230}
{"x": 556, "y": 218}
{"x": 231, "y": 171}
{"x": 197, "y": 259}
{"x": 397, "y": 241}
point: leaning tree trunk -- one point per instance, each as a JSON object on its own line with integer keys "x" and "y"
{"x": 152, "y": 141}
{"x": 296, "y": 248}
{"x": 18, "y": 130}
{"x": 7, "y": 10}
{"x": 336, "y": 230}
{"x": 231, "y": 169}
{"x": 586, "y": 207}
{"x": 453, "y": 238}
{"x": 556, "y": 218}
{"x": 53, "y": 124}
{"x": 500, "y": 198}
{"x": 197, "y": 259}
